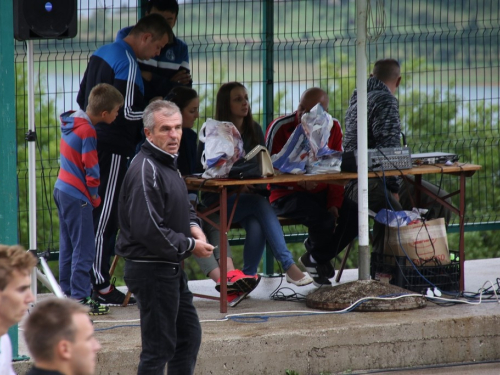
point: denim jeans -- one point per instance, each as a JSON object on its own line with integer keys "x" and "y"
{"x": 256, "y": 216}
{"x": 170, "y": 328}
{"x": 76, "y": 245}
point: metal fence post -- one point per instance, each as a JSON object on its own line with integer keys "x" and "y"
{"x": 268, "y": 90}
{"x": 8, "y": 151}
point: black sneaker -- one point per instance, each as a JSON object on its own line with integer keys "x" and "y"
{"x": 94, "y": 307}
{"x": 320, "y": 273}
{"x": 113, "y": 298}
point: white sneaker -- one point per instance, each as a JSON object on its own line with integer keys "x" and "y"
{"x": 306, "y": 280}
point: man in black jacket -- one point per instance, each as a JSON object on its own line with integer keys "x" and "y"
{"x": 384, "y": 130}
{"x": 158, "y": 229}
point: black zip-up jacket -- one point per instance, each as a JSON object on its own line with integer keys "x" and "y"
{"x": 154, "y": 212}
{"x": 384, "y": 126}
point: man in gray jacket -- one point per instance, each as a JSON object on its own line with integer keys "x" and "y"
{"x": 158, "y": 229}
{"x": 384, "y": 130}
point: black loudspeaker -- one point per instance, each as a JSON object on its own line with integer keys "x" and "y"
{"x": 45, "y": 19}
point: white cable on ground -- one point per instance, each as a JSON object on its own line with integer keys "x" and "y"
{"x": 117, "y": 321}
{"x": 429, "y": 296}
{"x": 303, "y": 312}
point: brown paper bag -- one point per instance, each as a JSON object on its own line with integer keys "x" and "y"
{"x": 425, "y": 243}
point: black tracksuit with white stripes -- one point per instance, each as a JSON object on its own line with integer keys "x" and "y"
{"x": 116, "y": 64}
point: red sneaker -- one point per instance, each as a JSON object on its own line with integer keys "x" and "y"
{"x": 237, "y": 281}
{"x": 233, "y": 298}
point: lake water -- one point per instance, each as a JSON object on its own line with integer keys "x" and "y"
{"x": 63, "y": 89}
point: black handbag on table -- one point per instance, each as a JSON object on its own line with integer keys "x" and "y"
{"x": 256, "y": 164}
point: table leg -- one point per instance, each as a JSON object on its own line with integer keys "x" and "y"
{"x": 461, "y": 245}
{"x": 223, "y": 250}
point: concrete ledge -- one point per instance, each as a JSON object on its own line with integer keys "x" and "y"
{"x": 299, "y": 339}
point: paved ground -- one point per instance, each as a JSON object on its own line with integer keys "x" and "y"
{"x": 473, "y": 369}
{"x": 263, "y": 336}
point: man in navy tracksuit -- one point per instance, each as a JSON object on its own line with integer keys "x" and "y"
{"x": 171, "y": 67}
{"x": 116, "y": 64}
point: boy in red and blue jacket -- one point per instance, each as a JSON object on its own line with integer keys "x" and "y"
{"x": 75, "y": 192}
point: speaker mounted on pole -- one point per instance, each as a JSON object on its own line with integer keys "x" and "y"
{"x": 45, "y": 19}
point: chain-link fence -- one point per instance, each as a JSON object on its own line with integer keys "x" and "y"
{"x": 449, "y": 97}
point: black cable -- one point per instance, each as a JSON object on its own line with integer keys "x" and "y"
{"x": 45, "y": 194}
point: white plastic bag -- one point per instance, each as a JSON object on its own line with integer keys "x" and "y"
{"x": 223, "y": 146}
{"x": 317, "y": 126}
{"x": 330, "y": 163}
{"x": 399, "y": 218}
{"x": 293, "y": 156}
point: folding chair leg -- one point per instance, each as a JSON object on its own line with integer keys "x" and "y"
{"x": 344, "y": 261}
{"x": 113, "y": 265}
{"x": 112, "y": 271}
{"x": 127, "y": 298}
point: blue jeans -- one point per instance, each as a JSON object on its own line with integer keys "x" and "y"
{"x": 256, "y": 216}
{"x": 76, "y": 244}
{"x": 170, "y": 328}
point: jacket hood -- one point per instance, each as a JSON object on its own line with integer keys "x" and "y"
{"x": 68, "y": 123}
{"x": 123, "y": 33}
{"x": 373, "y": 84}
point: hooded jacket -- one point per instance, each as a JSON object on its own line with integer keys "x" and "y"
{"x": 154, "y": 212}
{"x": 79, "y": 169}
{"x": 384, "y": 126}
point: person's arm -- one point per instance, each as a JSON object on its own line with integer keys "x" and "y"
{"x": 91, "y": 166}
{"x": 167, "y": 74}
{"x": 146, "y": 214}
{"x": 199, "y": 153}
{"x": 260, "y": 134}
{"x": 335, "y": 192}
{"x": 81, "y": 98}
{"x": 386, "y": 129}
{"x": 277, "y": 135}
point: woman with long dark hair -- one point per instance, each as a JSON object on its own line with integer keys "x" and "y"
{"x": 253, "y": 211}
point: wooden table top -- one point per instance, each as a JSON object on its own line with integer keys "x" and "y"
{"x": 341, "y": 178}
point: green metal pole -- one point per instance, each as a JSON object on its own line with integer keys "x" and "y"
{"x": 141, "y": 9}
{"x": 268, "y": 89}
{"x": 8, "y": 153}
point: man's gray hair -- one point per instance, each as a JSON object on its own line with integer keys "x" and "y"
{"x": 163, "y": 106}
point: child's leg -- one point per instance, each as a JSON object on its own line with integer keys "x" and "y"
{"x": 80, "y": 228}
{"x": 65, "y": 248}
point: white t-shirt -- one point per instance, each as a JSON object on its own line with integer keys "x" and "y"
{"x": 6, "y": 356}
